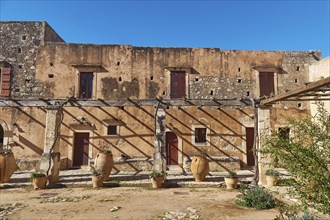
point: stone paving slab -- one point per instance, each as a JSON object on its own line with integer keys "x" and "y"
{"x": 81, "y": 177}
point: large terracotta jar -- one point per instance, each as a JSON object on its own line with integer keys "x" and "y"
{"x": 199, "y": 167}
{"x": 7, "y": 166}
{"x": 104, "y": 163}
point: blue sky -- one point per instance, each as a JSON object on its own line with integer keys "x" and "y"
{"x": 236, "y": 25}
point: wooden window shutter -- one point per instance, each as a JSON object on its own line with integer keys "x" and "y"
{"x": 5, "y": 81}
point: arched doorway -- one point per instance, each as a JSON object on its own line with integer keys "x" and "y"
{"x": 2, "y": 135}
{"x": 172, "y": 150}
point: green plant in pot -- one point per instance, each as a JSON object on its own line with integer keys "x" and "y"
{"x": 231, "y": 180}
{"x": 39, "y": 180}
{"x": 272, "y": 177}
{"x": 97, "y": 179}
{"x": 157, "y": 178}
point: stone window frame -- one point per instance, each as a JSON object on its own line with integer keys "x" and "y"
{"x": 274, "y": 70}
{"x": 208, "y": 137}
{"x": 189, "y": 71}
{"x": 95, "y": 70}
{"x": 280, "y": 126}
{"x": 112, "y": 122}
{"x": 112, "y": 135}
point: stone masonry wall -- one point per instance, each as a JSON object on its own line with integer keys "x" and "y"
{"x": 19, "y": 43}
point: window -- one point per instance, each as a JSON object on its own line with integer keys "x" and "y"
{"x": 112, "y": 130}
{"x": 178, "y": 84}
{"x": 200, "y": 135}
{"x": 266, "y": 84}
{"x": 284, "y": 133}
{"x": 86, "y": 85}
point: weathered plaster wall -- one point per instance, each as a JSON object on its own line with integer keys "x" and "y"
{"x": 139, "y": 72}
{"x": 28, "y": 125}
{"x": 135, "y": 137}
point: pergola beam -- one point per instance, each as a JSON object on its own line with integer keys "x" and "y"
{"x": 123, "y": 102}
{"x": 314, "y": 86}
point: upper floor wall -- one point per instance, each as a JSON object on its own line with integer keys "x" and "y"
{"x": 122, "y": 71}
{"x": 41, "y": 65}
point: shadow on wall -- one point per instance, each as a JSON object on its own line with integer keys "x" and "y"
{"x": 188, "y": 142}
{"x": 98, "y": 136}
{"x": 29, "y": 144}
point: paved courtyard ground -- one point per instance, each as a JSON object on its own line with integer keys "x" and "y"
{"x": 125, "y": 203}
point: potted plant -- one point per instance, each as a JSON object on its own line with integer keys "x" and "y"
{"x": 271, "y": 177}
{"x": 199, "y": 166}
{"x": 157, "y": 178}
{"x": 231, "y": 180}
{"x": 39, "y": 180}
{"x": 104, "y": 162}
{"x": 7, "y": 164}
{"x": 97, "y": 179}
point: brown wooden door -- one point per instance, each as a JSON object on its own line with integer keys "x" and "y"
{"x": 80, "y": 149}
{"x": 172, "y": 148}
{"x": 266, "y": 83}
{"x": 2, "y": 135}
{"x": 178, "y": 85}
{"x": 249, "y": 146}
{"x": 5, "y": 81}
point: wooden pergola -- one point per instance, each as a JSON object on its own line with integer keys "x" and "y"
{"x": 77, "y": 102}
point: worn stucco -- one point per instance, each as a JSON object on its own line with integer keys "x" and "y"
{"x": 49, "y": 68}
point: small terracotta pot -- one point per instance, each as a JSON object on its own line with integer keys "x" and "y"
{"x": 271, "y": 180}
{"x": 231, "y": 183}
{"x": 39, "y": 182}
{"x": 157, "y": 182}
{"x": 97, "y": 181}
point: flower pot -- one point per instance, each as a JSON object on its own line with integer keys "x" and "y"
{"x": 104, "y": 164}
{"x": 199, "y": 168}
{"x": 97, "y": 181}
{"x": 271, "y": 180}
{"x": 39, "y": 182}
{"x": 231, "y": 183}
{"x": 157, "y": 182}
{"x": 7, "y": 167}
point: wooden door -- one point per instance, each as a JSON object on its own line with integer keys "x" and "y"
{"x": 249, "y": 147}
{"x": 80, "y": 149}
{"x": 172, "y": 148}
{"x": 178, "y": 85}
{"x": 2, "y": 134}
{"x": 266, "y": 83}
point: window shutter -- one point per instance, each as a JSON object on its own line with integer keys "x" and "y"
{"x": 5, "y": 82}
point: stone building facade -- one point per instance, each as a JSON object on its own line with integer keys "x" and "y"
{"x": 142, "y": 84}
